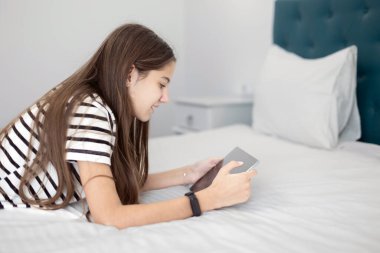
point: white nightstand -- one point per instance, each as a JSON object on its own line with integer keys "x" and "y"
{"x": 201, "y": 113}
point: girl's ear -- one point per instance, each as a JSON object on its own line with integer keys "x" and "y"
{"x": 132, "y": 76}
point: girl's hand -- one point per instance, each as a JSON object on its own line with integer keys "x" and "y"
{"x": 227, "y": 189}
{"x": 199, "y": 169}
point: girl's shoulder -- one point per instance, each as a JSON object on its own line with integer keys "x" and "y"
{"x": 95, "y": 107}
{"x": 95, "y": 101}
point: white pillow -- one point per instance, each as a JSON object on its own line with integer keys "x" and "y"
{"x": 309, "y": 101}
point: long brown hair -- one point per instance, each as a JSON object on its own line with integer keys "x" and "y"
{"x": 106, "y": 74}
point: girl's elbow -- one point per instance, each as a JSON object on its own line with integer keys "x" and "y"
{"x": 108, "y": 218}
{"x": 112, "y": 217}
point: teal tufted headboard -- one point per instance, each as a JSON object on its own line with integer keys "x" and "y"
{"x": 316, "y": 28}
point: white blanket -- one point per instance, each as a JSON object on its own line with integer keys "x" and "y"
{"x": 303, "y": 200}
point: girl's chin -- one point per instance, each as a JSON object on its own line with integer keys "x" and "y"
{"x": 143, "y": 118}
{"x": 146, "y": 116}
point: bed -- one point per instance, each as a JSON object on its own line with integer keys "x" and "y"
{"x": 304, "y": 199}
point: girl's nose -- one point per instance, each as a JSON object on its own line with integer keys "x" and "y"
{"x": 165, "y": 96}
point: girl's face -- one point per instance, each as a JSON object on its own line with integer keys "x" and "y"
{"x": 149, "y": 92}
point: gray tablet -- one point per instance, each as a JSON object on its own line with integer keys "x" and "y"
{"x": 237, "y": 154}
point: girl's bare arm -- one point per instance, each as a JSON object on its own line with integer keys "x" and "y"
{"x": 106, "y": 207}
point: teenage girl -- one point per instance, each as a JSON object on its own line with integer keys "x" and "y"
{"x": 88, "y": 138}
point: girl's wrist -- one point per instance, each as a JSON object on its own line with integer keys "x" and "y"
{"x": 187, "y": 175}
{"x": 205, "y": 200}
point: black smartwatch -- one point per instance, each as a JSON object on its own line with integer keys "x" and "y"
{"x": 194, "y": 204}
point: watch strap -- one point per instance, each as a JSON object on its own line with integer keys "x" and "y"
{"x": 194, "y": 203}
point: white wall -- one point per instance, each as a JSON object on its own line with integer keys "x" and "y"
{"x": 43, "y": 42}
{"x": 225, "y": 45}
{"x": 219, "y": 45}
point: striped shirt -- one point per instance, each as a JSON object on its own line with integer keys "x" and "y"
{"x": 90, "y": 137}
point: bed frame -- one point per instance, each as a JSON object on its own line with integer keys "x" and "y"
{"x": 316, "y": 28}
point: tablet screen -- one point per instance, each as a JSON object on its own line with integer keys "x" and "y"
{"x": 237, "y": 154}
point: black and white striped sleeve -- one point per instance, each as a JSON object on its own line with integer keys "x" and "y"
{"x": 91, "y": 133}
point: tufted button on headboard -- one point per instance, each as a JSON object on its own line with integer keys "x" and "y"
{"x": 316, "y": 28}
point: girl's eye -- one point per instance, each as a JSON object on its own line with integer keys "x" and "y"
{"x": 162, "y": 86}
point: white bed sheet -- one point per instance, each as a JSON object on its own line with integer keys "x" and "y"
{"x": 303, "y": 200}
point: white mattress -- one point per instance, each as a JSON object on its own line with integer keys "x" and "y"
{"x": 304, "y": 200}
